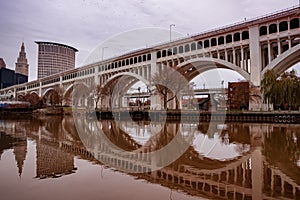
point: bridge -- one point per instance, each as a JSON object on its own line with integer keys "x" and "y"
{"x": 250, "y": 48}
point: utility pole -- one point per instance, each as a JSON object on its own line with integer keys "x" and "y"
{"x": 171, "y": 31}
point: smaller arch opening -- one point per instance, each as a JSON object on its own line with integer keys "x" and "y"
{"x": 283, "y": 26}
{"x": 228, "y": 38}
{"x": 294, "y": 23}
{"x": 180, "y": 49}
{"x": 193, "y": 46}
{"x": 263, "y": 30}
{"x": 164, "y": 53}
{"x": 174, "y": 50}
{"x": 213, "y": 42}
{"x": 187, "y": 48}
{"x": 169, "y": 52}
{"x": 158, "y": 54}
{"x": 221, "y": 40}
{"x": 206, "y": 43}
{"x": 245, "y": 35}
{"x": 237, "y": 37}
{"x": 199, "y": 45}
{"x": 273, "y": 28}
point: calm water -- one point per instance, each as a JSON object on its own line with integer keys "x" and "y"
{"x": 46, "y": 159}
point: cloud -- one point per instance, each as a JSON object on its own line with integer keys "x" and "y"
{"x": 86, "y": 23}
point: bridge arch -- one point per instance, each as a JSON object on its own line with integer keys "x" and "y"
{"x": 206, "y": 63}
{"x": 34, "y": 92}
{"x": 130, "y": 74}
{"x": 10, "y": 92}
{"x": 118, "y": 85}
{"x": 46, "y": 92}
{"x": 68, "y": 97}
{"x": 284, "y": 61}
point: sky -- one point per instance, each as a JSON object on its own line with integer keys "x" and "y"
{"x": 86, "y": 24}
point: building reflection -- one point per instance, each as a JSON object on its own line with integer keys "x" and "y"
{"x": 263, "y": 163}
{"x": 16, "y": 140}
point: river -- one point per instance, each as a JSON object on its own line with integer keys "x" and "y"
{"x": 47, "y": 158}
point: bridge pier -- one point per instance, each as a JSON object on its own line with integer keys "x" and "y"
{"x": 255, "y": 55}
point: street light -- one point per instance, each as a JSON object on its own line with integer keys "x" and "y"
{"x": 171, "y": 31}
{"x": 103, "y": 52}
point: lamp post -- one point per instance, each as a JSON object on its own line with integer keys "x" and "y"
{"x": 103, "y": 52}
{"x": 171, "y": 31}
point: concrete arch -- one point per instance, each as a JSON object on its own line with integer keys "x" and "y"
{"x": 9, "y": 92}
{"x": 284, "y": 61}
{"x": 34, "y": 92}
{"x": 69, "y": 88}
{"x": 138, "y": 77}
{"x": 207, "y": 63}
{"x": 46, "y": 91}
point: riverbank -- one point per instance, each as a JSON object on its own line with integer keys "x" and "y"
{"x": 292, "y": 117}
{"x": 245, "y": 116}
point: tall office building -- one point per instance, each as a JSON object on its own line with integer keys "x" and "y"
{"x": 54, "y": 58}
{"x": 21, "y": 64}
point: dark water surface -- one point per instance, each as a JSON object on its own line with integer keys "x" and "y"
{"x": 46, "y": 159}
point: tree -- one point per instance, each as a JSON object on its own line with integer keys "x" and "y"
{"x": 56, "y": 96}
{"x": 170, "y": 85}
{"x": 34, "y": 100}
{"x": 269, "y": 87}
{"x": 283, "y": 90}
{"x": 100, "y": 93}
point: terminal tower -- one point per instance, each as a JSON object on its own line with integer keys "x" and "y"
{"x": 21, "y": 64}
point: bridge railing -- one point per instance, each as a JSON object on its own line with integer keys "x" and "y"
{"x": 233, "y": 25}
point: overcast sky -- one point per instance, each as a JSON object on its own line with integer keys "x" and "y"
{"x": 84, "y": 24}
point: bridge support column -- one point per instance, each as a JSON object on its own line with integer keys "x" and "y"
{"x": 255, "y": 55}
{"x": 40, "y": 89}
{"x": 156, "y": 103}
{"x": 257, "y": 173}
{"x": 255, "y": 62}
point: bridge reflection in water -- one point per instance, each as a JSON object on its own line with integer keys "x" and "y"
{"x": 244, "y": 161}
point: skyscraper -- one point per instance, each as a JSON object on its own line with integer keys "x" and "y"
{"x": 54, "y": 58}
{"x": 21, "y": 64}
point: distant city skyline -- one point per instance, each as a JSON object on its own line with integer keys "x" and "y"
{"x": 87, "y": 23}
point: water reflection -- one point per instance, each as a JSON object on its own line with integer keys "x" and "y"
{"x": 244, "y": 161}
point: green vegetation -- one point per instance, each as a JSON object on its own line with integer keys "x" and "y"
{"x": 283, "y": 91}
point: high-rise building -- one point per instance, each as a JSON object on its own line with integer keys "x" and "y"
{"x": 21, "y": 64}
{"x": 54, "y": 58}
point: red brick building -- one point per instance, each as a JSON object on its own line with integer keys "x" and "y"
{"x": 238, "y": 95}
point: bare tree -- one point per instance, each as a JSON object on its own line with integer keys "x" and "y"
{"x": 57, "y": 96}
{"x": 34, "y": 100}
{"x": 170, "y": 85}
{"x": 102, "y": 91}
